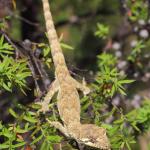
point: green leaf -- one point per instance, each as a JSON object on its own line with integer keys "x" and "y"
{"x": 1, "y": 126}
{"x": 102, "y": 31}
{"x": 19, "y": 130}
{"x": 1, "y": 40}
{"x": 122, "y": 91}
{"x": 35, "y": 106}
{"x": 13, "y": 113}
{"x": 4, "y": 146}
{"x": 30, "y": 119}
{"x": 86, "y": 105}
{"x": 6, "y": 87}
{"x": 113, "y": 90}
{"x": 135, "y": 127}
{"x": 128, "y": 146}
{"x": 126, "y": 81}
{"x": 7, "y": 133}
{"x": 54, "y": 138}
{"x": 19, "y": 144}
{"x": 119, "y": 121}
{"x": 37, "y": 139}
{"x": 66, "y": 46}
{"x": 44, "y": 146}
{"x": 46, "y": 51}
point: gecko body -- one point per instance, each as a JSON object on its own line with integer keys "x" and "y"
{"x": 68, "y": 98}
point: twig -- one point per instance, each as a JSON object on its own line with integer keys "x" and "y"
{"x": 26, "y": 20}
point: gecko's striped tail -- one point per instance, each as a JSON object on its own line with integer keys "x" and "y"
{"x": 52, "y": 36}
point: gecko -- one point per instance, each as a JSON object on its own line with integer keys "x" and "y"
{"x": 68, "y": 102}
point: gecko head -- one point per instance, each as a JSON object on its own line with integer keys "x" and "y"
{"x": 94, "y": 136}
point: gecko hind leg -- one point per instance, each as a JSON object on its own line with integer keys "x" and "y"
{"x": 54, "y": 87}
{"x": 59, "y": 126}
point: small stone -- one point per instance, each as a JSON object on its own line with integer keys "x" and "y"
{"x": 74, "y": 19}
{"x": 116, "y": 101}
{"x": 144, "y": 33}
{"x": 109, "y": 119}
{"x": 145, "y": 79}
{"x": 136, "y": 101}
{"x": 122, "y": 64}
{"x": 147, "y": 75}
{"x": 136, "y": 74}
{"x": 91, "y": 73}
{"x": 116, "y": 46}
{"x": 133, "y": 43}
{"x": 137, "y": 97}
{"x": 122, "y": 73}
{"x": 146, "y": 55}
{"x": 47, "y": 82}
{"x": 136, "y": 29}
{"x": 118, "y": 54}
{"x": 141, "y": 22}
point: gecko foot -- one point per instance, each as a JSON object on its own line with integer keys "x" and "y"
{"x": 82, "y": 86}
{"x": 44, "y": 107}
{"x": 51, "y": 91}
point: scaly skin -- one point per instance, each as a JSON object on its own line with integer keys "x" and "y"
{"x": 68, "y": 98}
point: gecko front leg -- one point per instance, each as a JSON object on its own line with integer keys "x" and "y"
{"x": 82, "y": 86}
{"x": 54, "y": 87}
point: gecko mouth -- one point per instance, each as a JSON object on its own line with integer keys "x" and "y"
{"x": 94, "y": 143}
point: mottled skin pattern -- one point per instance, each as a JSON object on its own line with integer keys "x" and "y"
{"x": 68, "y": 98}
